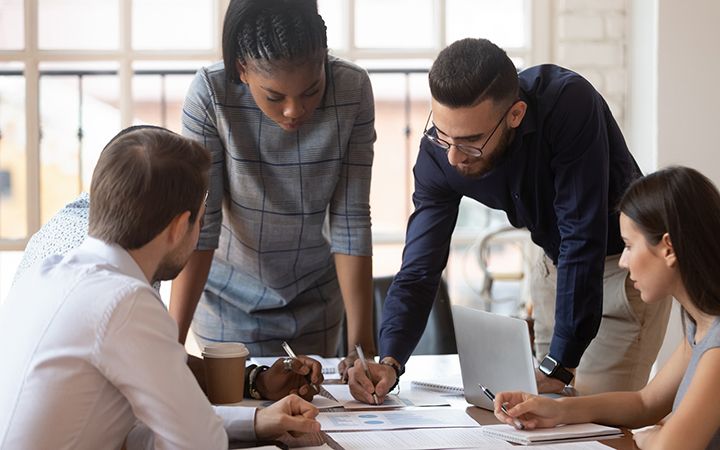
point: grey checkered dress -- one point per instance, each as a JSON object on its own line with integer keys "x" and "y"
{"x": 280, "y": 204}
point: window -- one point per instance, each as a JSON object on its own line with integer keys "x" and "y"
{"x": 83, "y": 69}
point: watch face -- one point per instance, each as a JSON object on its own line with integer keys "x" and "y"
{"x": 547, "y": 365}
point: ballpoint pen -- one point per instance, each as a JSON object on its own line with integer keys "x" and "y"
{"x": 361, "y": 356}
{"x": 491, "y": 396}
{"x": 292, "y": 354}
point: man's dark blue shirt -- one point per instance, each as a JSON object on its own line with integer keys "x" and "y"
{"x": 562, "y": 177}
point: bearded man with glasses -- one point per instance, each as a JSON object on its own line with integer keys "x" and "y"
{"x": 543, "y": 146}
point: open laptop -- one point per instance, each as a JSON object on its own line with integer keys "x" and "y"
{"x": 494, "y": 351}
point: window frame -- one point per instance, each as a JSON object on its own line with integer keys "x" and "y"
{"x": 537, "y": 49}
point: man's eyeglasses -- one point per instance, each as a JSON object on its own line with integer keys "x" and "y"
{"x": 470, "y": 150}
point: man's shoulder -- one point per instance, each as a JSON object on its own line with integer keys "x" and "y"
{"x": 65, "y": 231}
{"x": 80, "y": 270}
{"x": 75, "y": 293}
{"x": 549, "y": 71}
{"x": 548, "y": 81}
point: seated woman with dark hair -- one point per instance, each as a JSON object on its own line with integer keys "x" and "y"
{"x": 669, "y": 221}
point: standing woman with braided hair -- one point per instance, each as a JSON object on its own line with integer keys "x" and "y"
{"x": 286, "y": 241}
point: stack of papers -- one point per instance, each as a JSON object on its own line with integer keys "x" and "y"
{"x": 424, "y": 439}
{"x": 341, "y": 393}
{"x": 318, "y": 401}
{"x": 446, "y": 438}
{"x": 562, "y": 433}
{"x": 396, "y": 419}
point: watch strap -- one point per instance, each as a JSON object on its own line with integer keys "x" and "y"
{"x": 399, "y": 370}
{"x": 252, "y": 381}
{"x": 557, "y": 371}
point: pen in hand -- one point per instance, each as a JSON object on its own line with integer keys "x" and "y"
{"x": 361, "y": 356}
{"x": 491, "y": 396}
{"x": 292, "y": 354}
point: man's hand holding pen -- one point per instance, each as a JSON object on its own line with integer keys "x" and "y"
{"x": 380, "y": 381}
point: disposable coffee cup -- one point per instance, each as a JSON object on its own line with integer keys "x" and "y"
{"x": 225, "y": 371}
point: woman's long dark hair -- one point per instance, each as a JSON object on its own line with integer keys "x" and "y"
{"x": 685, "y": 204}
{"x": 272, "y": 31}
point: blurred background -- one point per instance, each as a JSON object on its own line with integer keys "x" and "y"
{"x": 74, "y": 72}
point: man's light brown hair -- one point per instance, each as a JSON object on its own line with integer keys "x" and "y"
{"x": 145, "y": 177}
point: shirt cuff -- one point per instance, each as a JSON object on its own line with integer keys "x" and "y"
{"x": 239, "y": 422}
{"x": 396, "y": 349}
{"x": 567, "y": 352}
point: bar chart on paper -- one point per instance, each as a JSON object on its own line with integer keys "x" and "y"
{"x": 395, "y": 419}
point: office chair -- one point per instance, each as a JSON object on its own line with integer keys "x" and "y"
{"x": 439, "y": 335}
{"x": 500, "y": 236}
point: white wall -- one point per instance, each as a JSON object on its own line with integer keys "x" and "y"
{"x": 672, "y": 106}
{"x": 688, "y": 67}
{"x": 590, "y": 37}
{"x": 657, "y": 72}
{"x": 641, "y": 125}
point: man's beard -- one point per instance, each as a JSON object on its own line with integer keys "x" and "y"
{"x": 170, "y": 266}
{"x": 478, "y": 167}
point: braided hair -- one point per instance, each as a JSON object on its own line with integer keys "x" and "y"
{"x": 271, "y": 32}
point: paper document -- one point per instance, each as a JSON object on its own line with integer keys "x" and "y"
{"x": 395, "y": 419}
{"x": 321, "y": 447}
{"x": 264, "y": 447}
{"x": 329, "y": 365}
{"x": 591, "y": 445}
{"x": 560, "y": 433}
{"x": 428, "y": 438}
{"x": 319, "y": 401}
{"x": 432, "y": 438}
{"x": 341, "y": 393}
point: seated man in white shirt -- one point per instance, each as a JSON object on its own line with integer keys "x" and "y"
{"x": 68, "y": 228}
{"x": 91, "y": 348}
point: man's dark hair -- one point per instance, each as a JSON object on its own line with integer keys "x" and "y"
{"x": 268, "y": 32}
{"x": 145, "y": 177}
{"x": 470, "y": 71}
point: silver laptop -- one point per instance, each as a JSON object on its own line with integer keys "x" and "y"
{"x": 494, "y": 351}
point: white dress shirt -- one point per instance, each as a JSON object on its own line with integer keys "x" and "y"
{"x": 89, "y": 348}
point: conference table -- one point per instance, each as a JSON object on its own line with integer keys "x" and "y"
{"x": 443, "y": 367}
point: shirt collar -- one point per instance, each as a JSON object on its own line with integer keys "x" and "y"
{"x": 115, "y": 256}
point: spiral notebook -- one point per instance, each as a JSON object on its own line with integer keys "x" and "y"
{"x": 562, "y": 433}
{"x": 438, "y": 387}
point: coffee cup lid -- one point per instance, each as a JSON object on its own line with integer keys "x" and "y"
{"x": 225, "y": 350}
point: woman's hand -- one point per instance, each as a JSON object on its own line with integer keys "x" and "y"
{"x": 644, "y": 438}
{"x": 531, "y": 410}
{"x": 302, "y": 376}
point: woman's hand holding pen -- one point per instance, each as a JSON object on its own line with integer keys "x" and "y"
{"x": 277, "y": 382}
{"x": 382, "y": 377}
{"x": 533, "y": 411}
